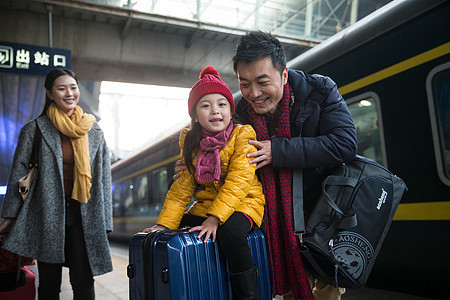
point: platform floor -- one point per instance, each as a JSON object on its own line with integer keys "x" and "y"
{"x": 114, "y": 285}
{"x": 110, "y": 286}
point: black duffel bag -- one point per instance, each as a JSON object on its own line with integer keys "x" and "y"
{"x": 349, "y": 220}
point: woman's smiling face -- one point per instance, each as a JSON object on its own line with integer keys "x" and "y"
{"x": 65, "y": 94}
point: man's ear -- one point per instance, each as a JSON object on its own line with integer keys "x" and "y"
{"x": 285, "y": 75}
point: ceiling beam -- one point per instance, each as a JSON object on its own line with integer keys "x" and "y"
{"x": 138, "y": 16}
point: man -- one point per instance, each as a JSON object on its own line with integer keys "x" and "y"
{"x": 302, "y": 122}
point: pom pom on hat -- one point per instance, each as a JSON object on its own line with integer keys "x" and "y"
{"x": 208, "y": 70}
{"x": 209, "y": 83}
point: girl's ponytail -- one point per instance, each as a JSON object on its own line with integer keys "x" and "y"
{"x": 191, "y": 145}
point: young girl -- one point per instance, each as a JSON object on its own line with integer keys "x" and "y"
{"x": 228, "y": 196}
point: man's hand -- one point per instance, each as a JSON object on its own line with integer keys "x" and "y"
{"x": 208, "y": 228}
{"x": 179, "y": 166}
{"x": 263, "y": 156}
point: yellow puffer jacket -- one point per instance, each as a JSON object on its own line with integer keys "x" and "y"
{"x": 238, "y": 189}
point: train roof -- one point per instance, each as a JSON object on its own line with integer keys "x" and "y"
{"x": 377, "y": 23}
{"x": 159, "y": 143}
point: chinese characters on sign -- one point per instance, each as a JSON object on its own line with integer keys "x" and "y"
{"x": 28, "y": 59}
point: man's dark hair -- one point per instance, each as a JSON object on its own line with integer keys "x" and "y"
{"x": 256, "y": 45}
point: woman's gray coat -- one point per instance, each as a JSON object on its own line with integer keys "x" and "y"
{"x": 39, "y": 231}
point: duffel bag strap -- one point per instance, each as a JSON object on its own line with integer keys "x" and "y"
{"x": 299, "y": 220}
{"x": 348, "y": 220}
{"x": 297, "y": 203}
{"x": 312, "y": 261}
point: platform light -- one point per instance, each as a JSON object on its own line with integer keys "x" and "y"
{"x": 2, "y": 190}
{"x": 133, "y": 115}
{"x": 364, "y": 103}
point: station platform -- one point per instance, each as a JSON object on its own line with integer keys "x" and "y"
{"x": 114, "y": 285}
{"x": 110, "y": 286}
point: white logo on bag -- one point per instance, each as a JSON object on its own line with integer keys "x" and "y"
{"x": 353, "y": 252}
{"x": 382, "y": 198}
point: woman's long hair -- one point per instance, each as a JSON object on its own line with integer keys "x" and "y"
{"x": 192, "y": 144}
{"x": 50, "y": 80}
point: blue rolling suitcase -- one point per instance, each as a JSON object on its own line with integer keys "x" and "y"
{"x": 174, "y": 264}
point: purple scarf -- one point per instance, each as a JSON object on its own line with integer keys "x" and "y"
{"x": 208, "y": 162}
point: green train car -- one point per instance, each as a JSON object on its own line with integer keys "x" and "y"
{"x": 393, "y": 69}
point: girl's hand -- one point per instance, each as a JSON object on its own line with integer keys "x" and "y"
{"x": 154, "y": 228}
{"x": 208, "y": 228}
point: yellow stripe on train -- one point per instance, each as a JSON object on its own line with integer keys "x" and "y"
{"x": 424, "y": 211}
{"x": 396, "y": 69}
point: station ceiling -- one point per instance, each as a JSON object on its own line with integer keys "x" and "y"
{"x": 297, "y": 22}
{"x": 215, "y": 24}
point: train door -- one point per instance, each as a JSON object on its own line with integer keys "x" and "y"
{"x": 142, "y": 200}
{"x": 160, "y": 186}
{"x": 366, "y": 114}
{"x": 438, "y": 90}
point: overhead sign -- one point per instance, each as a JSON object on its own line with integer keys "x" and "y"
{"x": 33, "y": 60}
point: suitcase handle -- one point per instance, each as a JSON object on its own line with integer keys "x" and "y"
{"x": 184, "y": 229}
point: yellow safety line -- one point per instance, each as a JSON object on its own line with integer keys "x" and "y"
{"x": 424, "y": 211}
{"x": 397, "y": 68}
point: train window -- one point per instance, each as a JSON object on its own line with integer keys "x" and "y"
{"x": 159, "y": 191}
{"x": 127, "y": 200}
{"x": 438, "y": 90}
{"x": 117, "y": 211}
{"x": 365, "y": 113}
{"x": 142, "y": 197}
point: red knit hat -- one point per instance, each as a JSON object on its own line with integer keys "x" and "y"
{"x": 209, "y": 83}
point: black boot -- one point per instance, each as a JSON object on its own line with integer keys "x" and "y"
{"x": 84, "y": 294}
{"x": 44, "y": 294}
{"x": 245, "y": 284}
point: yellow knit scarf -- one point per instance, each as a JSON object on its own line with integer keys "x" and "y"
{"x": 76, "y": 128}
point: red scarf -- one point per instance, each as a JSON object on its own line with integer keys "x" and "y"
{"x": 284, "y": 252}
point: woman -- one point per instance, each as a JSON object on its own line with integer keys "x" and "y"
{"x": 65, "y": 218}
